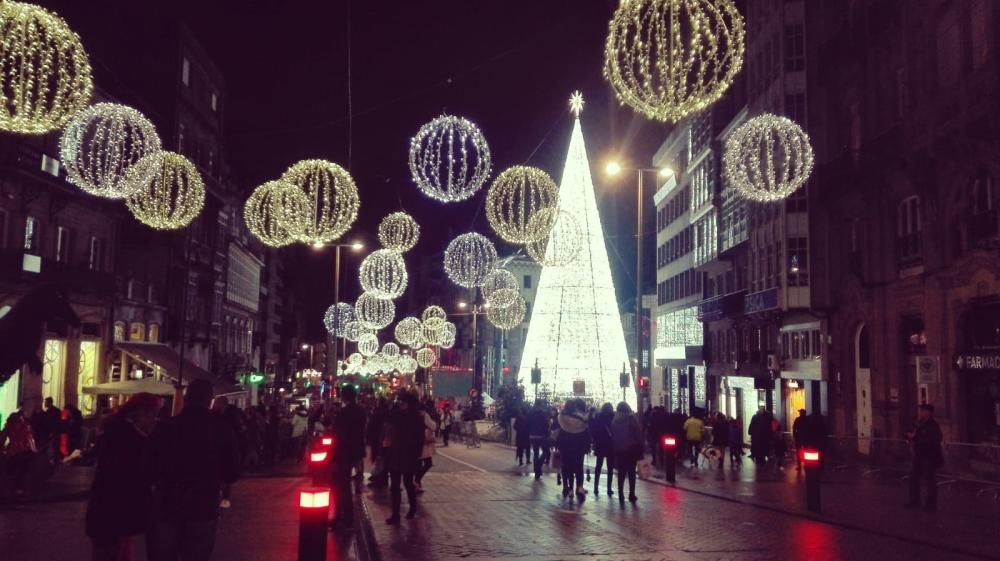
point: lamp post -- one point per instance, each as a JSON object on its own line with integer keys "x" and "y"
{"x": 354, "y": 246}
{"x": 614, "y": 169}
{"x": 475, "y": 311}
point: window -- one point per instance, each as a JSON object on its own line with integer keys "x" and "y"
{"x": 119, "y": 331}
{"x": 50, "y": 165}
{"x": 62, "y": 244}
{"x": 983, "y": 193}
{"x": 215, "y": 102}
{"x": 795, "y": 50}
{"x": 527, "y": 281}
{"x": 185, "y": 71}
{"x": 798, "y": 262}
{"x": 795, "y": 108}
{"x": 137, "y": 332}
{"x": 4, "y": 218}
{"x": 908, "y": 229}
{"x": 95, "y": 262}
{"x": 154, "y": 333}
{"x": 31, "y": 234}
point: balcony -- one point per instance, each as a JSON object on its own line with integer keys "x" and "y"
{"x": 761, "y": 301}
{"x": 76, "y": 279}
{"x": 728, "y": 305}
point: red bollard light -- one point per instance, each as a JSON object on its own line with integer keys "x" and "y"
{"x": 314, "y": 507}
{"x": 810, "y": 456}
{"x": 669, "y": 442}
{"x": 327, "y": 441}
{"x": 670, "y": 458}
{"x": 811, "y": 463}
{"x": 317, "y": 457}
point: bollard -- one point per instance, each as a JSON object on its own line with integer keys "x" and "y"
{"x": 811, "y": 465}
{"x": 314, "y": 506}
{"x": 670, "y": 458}
{"x": 319, "y": 467}
{"x": 327, "y": 441}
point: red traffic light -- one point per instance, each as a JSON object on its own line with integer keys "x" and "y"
{"x": 317, "y": 457}
{"x": 327, "y": 441}
{"x": 643, "y": 383}
{"x": 314, "y": 497}
{"x": 669, "y": 441}
{"x": 810, "y": 455}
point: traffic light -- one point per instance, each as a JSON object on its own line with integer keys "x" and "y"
{"x": 643, "y": 383}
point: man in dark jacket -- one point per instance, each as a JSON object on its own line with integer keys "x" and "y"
{"x": 798, "y": 426}
{"x": 925, "y": 439}
{"x": 538, "y": 434}
{"x": 761, "y": 436}
{"x": 348, "y": 450}
{"x": 522, "y": 440}
{"x": 406, "y": 442}
{"x": 190, "y": 457}
{"x": 374, "y": 434}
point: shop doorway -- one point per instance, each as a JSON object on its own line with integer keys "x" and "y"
{"x": 795, "y": 399}
{"x": 863, "y": 387}
{"x": 54, "y": 370}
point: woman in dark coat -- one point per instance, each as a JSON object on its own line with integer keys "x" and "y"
{"x": 403, "y": 443}
{"x": 626, "y": 434}
{"x": 522, "y": 438}
{"x": 573, "y": 441}
{"x": 120, "y": 496}
{"x": 600, "y": 433}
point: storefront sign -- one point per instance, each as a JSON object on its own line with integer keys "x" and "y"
{"x": 977, "y": 362}
{"x": 928, "y": 370}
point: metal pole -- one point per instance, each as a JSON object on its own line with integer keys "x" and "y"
{"x": 336, "y": 300}
{"x": 179, "y": 388}
{"x": 477, "y": 381}
{"x": 638, "y": 293}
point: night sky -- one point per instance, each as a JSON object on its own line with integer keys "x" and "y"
{"x": 507, "y": 65}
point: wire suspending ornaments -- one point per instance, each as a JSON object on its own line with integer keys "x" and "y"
{"x": 670, "y": 58}
{"x": 499, "y": 287}
{"x": 449, "y": 159}
{"x": 276, "y": 213}
{"x": 44, "y": 70}
{"x": 373, "y": 312}
{"x": 767, "y": 158}
{"x": 368, "y": 344}
{"x": 333, "y": 199}
{"x": 508, "y": 317}
{"x": 383, "y": 274}
{"x": 426, "y": 357}
{"x": 562, "y": 244}
{"x": 170, "y": 191}
{"x": 337, "y": 317}
{"x": 101, "y": 143}
{"x": 514, "y": 198}
{"x": 399, "y": 231}
{"x": 469, "y": 258}
{"x": 408, "y": 331}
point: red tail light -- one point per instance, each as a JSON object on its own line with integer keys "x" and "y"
{"x": 810, "y": 455}
{"x": 669, "y": 441}
{"x": 317, "y": 457}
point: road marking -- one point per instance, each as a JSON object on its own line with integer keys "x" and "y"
{"x": 467, "y": 464}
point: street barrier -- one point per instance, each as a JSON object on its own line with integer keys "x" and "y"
{"x": 314, "y": 507}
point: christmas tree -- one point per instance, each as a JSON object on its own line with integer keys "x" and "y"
{"x": 575, "y": 332}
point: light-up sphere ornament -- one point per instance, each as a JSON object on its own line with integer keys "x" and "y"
{"x": 515, "y": 196}
{"x": 337, "y": 317}
{"x": 426, "y": 357}
{"x": 669, "y": 58}
{"x": 44, "y": 70}
{"x": 449, "y": 331}
{"x": 469, "y": 258}
{"x": 170, "y": 192}
{"x": 383, "y": 274}
{"x": 390, "y": 350}
{"x": 101, "y": 143}
{"x": 353, "y": 330}
{"x": 407, "y": 365}
{"x": 433, "y": 315}
{"x": 432, "y": 333}
{"x": 449, "y": 159}
{"x": 499, "y": 287}
{"x": 373, "y": 312}
{"x": 276, "y": 213}
{"x": 333, "y": 199}
{"x": 408, "y": 331}
{"x": 379, "y": 363}
{"x": 509, "y": 317}
{"x": 767, "y": 158}
{"x": 356, "y": 359}
{"x": 368, "y": 344}
{"x": 398, "y": 231}
{"x": 562, "y": 245}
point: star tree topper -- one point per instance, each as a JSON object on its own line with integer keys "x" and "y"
{"x": 576, "y": 103}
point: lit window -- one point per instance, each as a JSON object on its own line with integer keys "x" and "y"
{"x": 119, "y": 331}
{"x": 215, "y": 102}
{"x": 96, "y": 262}
{"x": 31, "y": 234}
{"x": 62, "y": 244}
{"x": 50, "y": 165}
{"x": 185, "y": 71}
{"x": 137, "y": 332}
{"x": 154, "y": 333}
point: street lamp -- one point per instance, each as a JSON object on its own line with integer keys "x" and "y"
{"x": 476, "y": 311}
{"x": 354, "y": 246}
{"x": 613, "y": 169}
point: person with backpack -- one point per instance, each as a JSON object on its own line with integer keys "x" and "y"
{"x": 538, "y": 435}
{"x": 573, "y": 442}
{"x": 600, "y": 434}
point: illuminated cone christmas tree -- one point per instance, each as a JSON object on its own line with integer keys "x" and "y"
{"x": 575, "y": 332}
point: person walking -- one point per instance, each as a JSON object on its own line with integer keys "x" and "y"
{"x": 375, "y": 433}
{"x": 190, "y": 457}
{"x": 735, "y": 443}
{"x": 778, "y": 445}
{"x": 17, "y": 446}
{"x": 427, "y": 452}
{"x": 761, "y": 436}
{"x": 348, "y": 450}
{"x": 626, "y": 436}
{"x": 447, "y": 420}
{"x": 231, "y": 415}
{"x": 925, "y": 442}
{"x": 694, "y": 429}
{"x": 573, "y": 441}
{"x": 720, "y": 437}
{"x": 300, "y": 431}
{"x": 798, "y": 426}
{"x": 522, "y": 440}
{"x": 120, "y": 495}
{"x": 604, "y": 449}
{"x": 538, "y": 435}
{"x": 404, "y": 438}
{"x": 655, "y": 428}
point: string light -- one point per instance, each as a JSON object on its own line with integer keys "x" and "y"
{"x": 356, "y": 359}
{"x": 353, "y": 330}
{"x": 562, "y": 244}
{"x": 374, "y": 312}
{"x": 433, "y": 314}
{"x": 426, "y": 357}
{"x": 170, "y": 192}
{"x": 449, "y": 331}
{"x": 515, "y": 196}
{"x": 44, "y": 71}
{"x": 449, "y": 159}
{"x": 407, "y": 365}
{"x": 276, "y": 213}
{"x": 508, "y": 317}
{"x": 390, "y": 350}
{"x": 101, "y": 143}
{"x": 337, "y": 317}
{"x": 432, "y": 333}
{"x": 333, "y": 199}
{"x": 670, "y": 58}
{"x": 399, "y": 231}
{"x": 499, "y": 287}
{"x": 408, "y": 331}
{"x": 469, "y": 258}
{"x": 767, "y": 158}
{"x": 368, "y": 344}
{"x": 383, "y": 274}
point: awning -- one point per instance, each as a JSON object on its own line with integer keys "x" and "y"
{"x": 156, "y": 354}
{"x": 131, "y": 387}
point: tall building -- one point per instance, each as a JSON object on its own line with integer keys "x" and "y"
{"x": 527, "y": 272}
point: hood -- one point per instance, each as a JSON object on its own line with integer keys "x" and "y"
{"x": 572, "y": 423}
